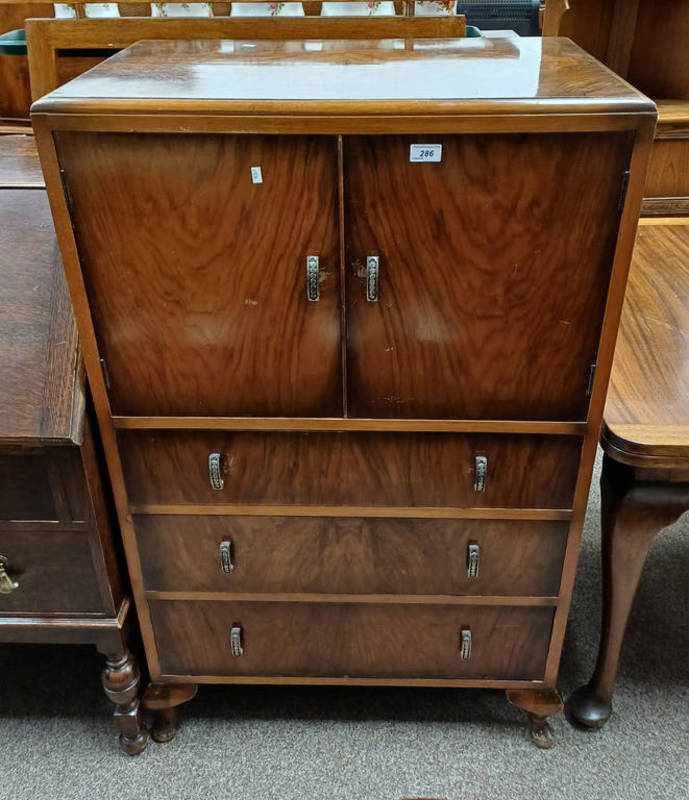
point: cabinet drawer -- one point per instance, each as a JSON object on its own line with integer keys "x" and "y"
{"x": 350, "y": 555}
{"x": 54, "y": 570}
{"x": 350, "y": 469}
{"x": 351, "y": 640}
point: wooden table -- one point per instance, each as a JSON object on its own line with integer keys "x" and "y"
{"x": 60, "y": 575}
{"x": 645, "y": 480}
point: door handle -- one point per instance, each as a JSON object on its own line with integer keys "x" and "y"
{"x": 313, "y": 289}
{"x": 215, "y": 471}
{"x": 7, "y": 585}
{"x": 372, "y": 278}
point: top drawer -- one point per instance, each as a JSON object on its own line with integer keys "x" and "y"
{"x": 350, "y": 469}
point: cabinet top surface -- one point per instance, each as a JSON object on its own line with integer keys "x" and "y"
{"x": 460, "y": 76}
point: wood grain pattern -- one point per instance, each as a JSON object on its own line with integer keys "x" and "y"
{"x": 19, "y": 164}
{"x": 350, "y": 469}
{"x": 351, "y": 640}
{"x": 25, "y": 490}
{"x": 54, "y": 570}
{"x": 652, "y": 350}
{"x": 668, "y": 172}
{"x": 225, "y": 328}
{"x": 335, "y": 555}
{"x": 37, "y": 331}
{"x": 493, "y": 281}
{"x": 527, "y": 75}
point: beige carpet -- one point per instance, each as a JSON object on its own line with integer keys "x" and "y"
{"x": 359, "y": 744}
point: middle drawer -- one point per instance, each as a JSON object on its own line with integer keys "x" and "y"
{"x": 350, "y": 469}
{"x": 351, "y": 555}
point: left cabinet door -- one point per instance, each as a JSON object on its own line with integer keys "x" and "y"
{"x": 194, "y": 252}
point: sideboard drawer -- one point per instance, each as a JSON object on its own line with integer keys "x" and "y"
{"x": 341, "y": 555}
{"x": 351, "y": 640}
{"x": 54, "y": 570}
{"x": 350, "y": 469}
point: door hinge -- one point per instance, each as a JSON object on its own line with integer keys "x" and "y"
{"x": 106, "y": 374}
{"x": 65, "y": 189}
{"x": 592, "y": 378}
{"x": 623, "y": 190}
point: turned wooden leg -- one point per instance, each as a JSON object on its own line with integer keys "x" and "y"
{"x": 632, "y": 513}
{"x": 121, "y": 681}
{"x": 163, "y": 698}
{"x": 539, "y": 704}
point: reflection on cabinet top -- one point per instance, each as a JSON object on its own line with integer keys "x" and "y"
{"x": 447, "y": 76}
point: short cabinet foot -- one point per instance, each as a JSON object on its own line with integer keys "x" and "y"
{"x": 539, "y": 704}
{"x": 588, "y": 710}
{"x": 121, "y": 680}
{"x": 163, "y": 699}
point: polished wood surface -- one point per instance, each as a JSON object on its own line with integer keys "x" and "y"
{"x": 351, "y": 640}
{"x": 335, "y": 555}
{"x": 462, "y": 284}
{"x": 528, "y": 74}
{"x": 640, "y": 418}
{"x": 46, "y": 37}
{"x": 38, "y": 367}
{"x": 226, "y": 328}
{"x": 167, "y": 467}
{"x": 668, "y": 172}
{"x": 388, "y": 477}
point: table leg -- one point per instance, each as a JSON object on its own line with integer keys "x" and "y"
{"x": 632, "y": 513}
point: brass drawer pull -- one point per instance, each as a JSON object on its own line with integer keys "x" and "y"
{"x": 313, "y": 289}
{"x": 7, "y": 585}
{"x": 226, "y": 557}
{"x": 236, "y": 645}
{"x": 465, "y": 644}
{"x": 473, "y": 560}
{"x": 372, "y": 276}
{"x": 215, "y": 471}
{"x": 480, "y": 473}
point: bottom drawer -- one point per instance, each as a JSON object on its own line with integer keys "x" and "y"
{"x": 351, "y": 640}
{"x": 54, "y": 570}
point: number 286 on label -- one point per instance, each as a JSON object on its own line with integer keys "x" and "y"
{"x": 419, "y": 153}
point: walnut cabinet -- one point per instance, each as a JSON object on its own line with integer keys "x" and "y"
{"x": 348, "y": 310}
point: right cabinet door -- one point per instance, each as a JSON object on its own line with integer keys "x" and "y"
{"x": 493, "y": 266}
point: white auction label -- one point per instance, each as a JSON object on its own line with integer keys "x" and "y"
{"x": 425, "y": 152}
{"x": 256, "y": 175}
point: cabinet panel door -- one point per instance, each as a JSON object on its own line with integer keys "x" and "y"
{"x": 196, "y": 274}
{"x": 494, "y": 265}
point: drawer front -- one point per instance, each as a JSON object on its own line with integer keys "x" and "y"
{"x": 350, "y": 469}
{"x": 351, "y": 640}
{"x": 54, "y": 570}
{"x": 351, "y": 555}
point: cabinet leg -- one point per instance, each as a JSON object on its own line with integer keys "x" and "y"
{"x": 539, "y": 704}
{"x": 632, "y": 513}
{"x": 164, "y": 698}
{"x": 121, "y": 681}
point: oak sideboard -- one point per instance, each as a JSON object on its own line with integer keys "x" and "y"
{"x": 348, "y": 311}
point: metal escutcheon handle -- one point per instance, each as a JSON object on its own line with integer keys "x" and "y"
{"x": 236, "y": 644}
{"x": 473, "y": 560}
{"x": 372, "y": 278}
{"x": 465, "y": 644}
{"x": 215, "y": 471}
{"x": 313, "y": 288}
{"x": 7, "y": 585}
{"x": 480, "y": 473}
{"x": 226, "y": 557}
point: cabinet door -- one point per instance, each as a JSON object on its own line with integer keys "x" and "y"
{"x": 494, "y": 265}
{"x": 194, "y": 251}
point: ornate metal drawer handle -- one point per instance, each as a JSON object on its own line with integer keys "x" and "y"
{"x": 480, "y": 473}
{"x": 236, "y": 645}
{"x": 313, "y": 289}
{"x": 372, "y": 276}
{"x": 7, "y": 585}
{"x": 226, "y": 556}
{"x": 473, "y": 560}
{"x": 465, "y": 644}
{"x": 215, "y": 471}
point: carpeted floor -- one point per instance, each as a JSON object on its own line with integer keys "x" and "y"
{"x": 56, "y": 740}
